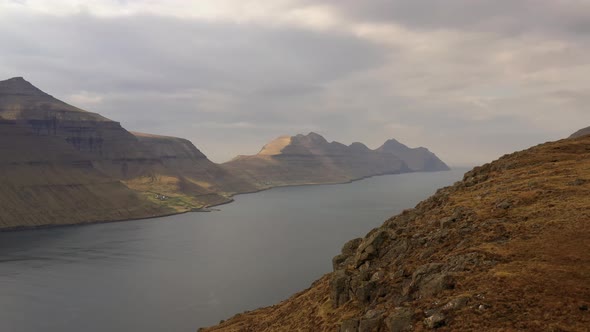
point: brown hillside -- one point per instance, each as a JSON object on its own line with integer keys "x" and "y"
{"x": 45, "y": 181}
{"x": 506, "y": 249}
{"x": 63, "y": 165}
{"x": 581, "y": 132}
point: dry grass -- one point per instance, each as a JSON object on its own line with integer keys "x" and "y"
{"x": 541, "y": 246}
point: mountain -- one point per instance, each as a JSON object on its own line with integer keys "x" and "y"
{"x": 505, "y": 249}
{"x": 311, "y": 159}
{"x": 63, "y": 165}
{"x": 418, "y": 159}
{"x": 581, "y": 132}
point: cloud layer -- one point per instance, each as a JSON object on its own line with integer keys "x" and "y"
{"x": 471, "y": 80}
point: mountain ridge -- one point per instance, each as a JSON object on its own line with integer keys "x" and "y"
{"x": 311, "y": 159}
{"x": 147, "y": 175}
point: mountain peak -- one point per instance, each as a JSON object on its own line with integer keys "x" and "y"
{"x": 275, "y": 146}
{"x": 22, "y": 100}
{"x": 311, "y": 138}
{"x": 393, "y": 144}
{"x": 358, "y": 146}
{"x": 19, "y": 86}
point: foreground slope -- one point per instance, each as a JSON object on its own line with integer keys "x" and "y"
{"x": 506, "y": 249}
{"x": 310, "y": 159}
{"x": 63, "y": 165}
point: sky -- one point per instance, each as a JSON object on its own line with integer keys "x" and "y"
{"x": 469, "y": 79}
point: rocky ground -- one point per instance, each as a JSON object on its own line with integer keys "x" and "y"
{"x": 506, "y": 249}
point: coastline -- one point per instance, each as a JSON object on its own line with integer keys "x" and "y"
{"x": 206, "y": 208}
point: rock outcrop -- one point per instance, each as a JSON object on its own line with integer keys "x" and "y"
{"x": 505, "y": 249}
{"x": 311, "y": 159}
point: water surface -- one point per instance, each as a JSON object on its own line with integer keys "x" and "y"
{"x": 182, "y": 272}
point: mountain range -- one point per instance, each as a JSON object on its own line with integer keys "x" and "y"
{"x": 64, "y": 165}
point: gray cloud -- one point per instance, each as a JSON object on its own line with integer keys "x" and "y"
{"x": 469, "y": 79}
{"x": 496, "y": 16}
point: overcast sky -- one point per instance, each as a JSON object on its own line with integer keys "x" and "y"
{"x": 469, "y": 79}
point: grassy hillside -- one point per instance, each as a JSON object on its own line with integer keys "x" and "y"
{"x": 506, "y": 249}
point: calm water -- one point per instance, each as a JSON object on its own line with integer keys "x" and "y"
{"x": 182, "y": 272}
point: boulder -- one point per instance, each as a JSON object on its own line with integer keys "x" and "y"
{"x": 437, "y": 320}
{"x": 400, "y": 320}
{"x": 339, "y": 288}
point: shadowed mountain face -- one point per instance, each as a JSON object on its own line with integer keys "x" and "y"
{"x": 581, "y": 132}
{"x": 418, "y": 159}
{"x": 506, "y": 249}
{"x": 304, "y": 159}
{"x": 64, "y": 165}
{"x": 309, "y": 159}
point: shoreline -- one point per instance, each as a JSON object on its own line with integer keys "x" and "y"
{"x": 206, "y": 208}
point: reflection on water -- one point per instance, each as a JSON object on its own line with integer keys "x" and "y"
{"x": 182, "y": 272}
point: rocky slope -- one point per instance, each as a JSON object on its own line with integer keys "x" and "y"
{"x": 506, "y": 249}
{"x": 418, "y": 159}
{"x": 63, "y": 165}
{"x": 309, "y": 159}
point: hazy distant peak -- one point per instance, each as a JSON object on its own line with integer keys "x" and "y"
{"x": 418, "y": 159}
{"x": 393, "y": 145}
{"x": 314, "y": 135}
{"x": 358, "y": 146}
{"x": 310, "y": 140}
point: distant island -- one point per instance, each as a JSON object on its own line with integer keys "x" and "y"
{"x": 62, "y": 165}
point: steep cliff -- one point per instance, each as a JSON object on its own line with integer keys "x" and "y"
{"x": 64, "y": 165}
{"x": 310, "y": 159}
{"x": 45, "y": 181}
{"x": 506, "y": 249}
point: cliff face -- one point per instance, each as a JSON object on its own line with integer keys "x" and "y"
{"x": 308, "y": 159}
{"x": 45, "y": 181}
{"x": 81, "y": 167}
{"x": 417, "y": 159}
{"x": 506, "y": 249}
